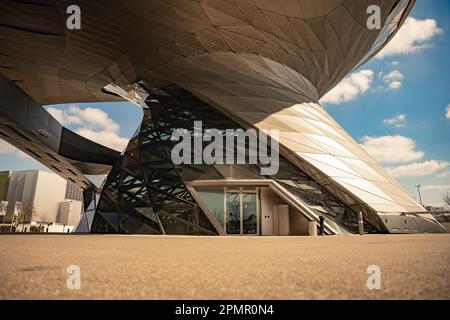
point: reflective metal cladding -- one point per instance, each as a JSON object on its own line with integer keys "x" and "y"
{"x": 238, "y": 64}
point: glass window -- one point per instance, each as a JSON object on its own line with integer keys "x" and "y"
{"x": 249, "y": 213}
{"x": 214, "y": 201}
{"x": 233, "y": 213}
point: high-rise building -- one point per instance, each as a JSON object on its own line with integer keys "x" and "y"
{"x": 38, "y": 193}
{"x": 73, "y": 192}
{"x": 229, "y": 65}
{"x": 69, "y": 212}
{"x": 4, "y": 183}
{"x": 40, "y": 196}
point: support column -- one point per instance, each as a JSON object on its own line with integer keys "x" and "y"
{"x": 312, "y": 228}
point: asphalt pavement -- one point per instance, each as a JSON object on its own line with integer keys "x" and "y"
{"x": 171, "y": 267}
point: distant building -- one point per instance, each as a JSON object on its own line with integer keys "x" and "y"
{"x": 38, "y": 192}
{"x": 69, "y": 212}
{"x": 41, "y": 197}
{"x": 4, "y": 183}
{"x": 73, "y": 192}
{"x": 434, "y": 209}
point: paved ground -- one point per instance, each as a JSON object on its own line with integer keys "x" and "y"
{"x": 152, "y": 267}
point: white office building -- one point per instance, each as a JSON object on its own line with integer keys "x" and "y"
{"x": 42, "y": 197}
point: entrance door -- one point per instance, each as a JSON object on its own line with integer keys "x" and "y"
{"x": 241, "y": 213}
{"x": 233, "y": 212}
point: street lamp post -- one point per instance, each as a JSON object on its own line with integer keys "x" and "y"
{"x": 418, "y": 191}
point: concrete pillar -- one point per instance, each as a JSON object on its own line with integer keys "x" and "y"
{"x": 361, "y": 223}
{"x": 312, "y": 228}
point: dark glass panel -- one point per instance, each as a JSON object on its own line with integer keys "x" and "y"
{"x": 249, "y": 213}
{"x": 214, "y": 200}
{"x": 233, "y": 211}
{"x": 132, "y": 221}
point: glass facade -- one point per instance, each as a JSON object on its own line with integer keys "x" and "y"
{"x": 146, "y": 193}
{"x": 233, "y": 209}
{"x": 249, "y": 213}
{"x": 214, "y": 200}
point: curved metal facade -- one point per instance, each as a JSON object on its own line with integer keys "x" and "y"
{"x": 262, "y": 64}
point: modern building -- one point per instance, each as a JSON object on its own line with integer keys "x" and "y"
{"x": 38, "y": 192}
{"x": 41, "y": 197}
{"x": 73, "y": 192}
{"x": 233, "y": 65}
{"x": 69, "y": 212}
{"x": 4, "y": 182}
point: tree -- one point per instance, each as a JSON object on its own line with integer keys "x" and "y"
{"x": 447, "y": 200}
{"x": 39, "y": 217}
{"x": 25, "y": 214}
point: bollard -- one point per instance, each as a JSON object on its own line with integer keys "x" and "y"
{"x": 360, "y": 223}
{"x": 312, "y": 228}
{"x": 322, "y": 225}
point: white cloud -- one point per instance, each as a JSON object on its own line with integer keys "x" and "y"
{"x": 418, "y": 169}
{"x": 91, "y": 123}
{"x": 413, "y": 36}
{"x": 92, "y": 118}
{"x": 392, "y": 79}
{"x": 397, "y": 121}
{"x": 448, "y": 112}
{"x": 436, "y": 187}
{"x": 444, "y": 174}
{"x": 6, "y": 148}
{"x": 9, "y": 149}
{"x": 106, "y": 138}
{"x": 395, "y": 85}
{"x": 58, "y": 114}
{"x": 349, "y": 88}
{"x": 394, "y": 75}
{"x": 433, "y": 194}
{"x": 392, "y": 149}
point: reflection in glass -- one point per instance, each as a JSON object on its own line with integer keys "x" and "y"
{"x": 249, "y": 213}
{"x": 233, "y": 213}
{"x": 214, "y": 201}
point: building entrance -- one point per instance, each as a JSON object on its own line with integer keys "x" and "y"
{"x": 258, "y": 208}
{"x": 241, "y": 213}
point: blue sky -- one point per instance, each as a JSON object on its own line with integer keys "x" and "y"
{"x": 397, "y": 102}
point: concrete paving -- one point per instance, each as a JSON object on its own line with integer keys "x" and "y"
{"x": 153, "y": 267}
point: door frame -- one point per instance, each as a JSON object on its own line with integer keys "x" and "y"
{"x": 241, "y": 190}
